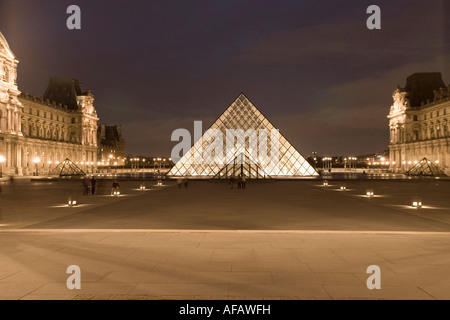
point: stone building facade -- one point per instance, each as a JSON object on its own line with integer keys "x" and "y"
{"x": 419, "y": 122}
{"x": 36, "y": 134}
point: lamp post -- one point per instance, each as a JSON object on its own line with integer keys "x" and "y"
{"x": 2, "y": 159}
{"x": 36, "y": 161}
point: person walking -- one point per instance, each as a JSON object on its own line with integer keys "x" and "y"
{"x": 93, "y": 183}
{"x": 239, "y": 182}
{"x": 243, "y": 182}
{"x": 231, "y": 183}
{"x": 88, "y": 186}
{"x": 186, "y": 183}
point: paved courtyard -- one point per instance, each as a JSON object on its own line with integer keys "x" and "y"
{"x": 274, "y": 240}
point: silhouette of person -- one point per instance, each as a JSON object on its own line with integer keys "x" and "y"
{"x": 93, "y": 183}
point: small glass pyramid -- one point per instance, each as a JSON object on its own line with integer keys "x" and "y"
{"x": 425, "y": 168}
{"x": 242, "y": 160}
{"x": 67, "y": 169}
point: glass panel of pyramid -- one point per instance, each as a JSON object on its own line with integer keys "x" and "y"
{"x": 242, "y": 159}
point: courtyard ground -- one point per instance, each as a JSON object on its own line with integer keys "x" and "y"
{"x": 274, "y": 240}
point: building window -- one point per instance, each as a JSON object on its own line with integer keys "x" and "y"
{"x": 73, "y": 120}
{"x": 415, "y": 117}
{"x": 416, "y": 135}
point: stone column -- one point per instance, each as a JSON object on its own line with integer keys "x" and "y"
{"x": 19, "y": 158}
{"x": 8, "y": 126}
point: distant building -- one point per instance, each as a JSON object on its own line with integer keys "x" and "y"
{"x": 111, "y": 145}
{"x": 419, "y": 123}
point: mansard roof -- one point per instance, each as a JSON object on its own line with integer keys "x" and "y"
{"x": 64, "y": 91}
{"x": 109, "y": 134}
{"x": 420, "y": 87}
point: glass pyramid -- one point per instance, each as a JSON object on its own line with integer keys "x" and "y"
{"x": 425, "y": 168}
{"x": 67, "y": 169}
{"x": 246, "y": 158}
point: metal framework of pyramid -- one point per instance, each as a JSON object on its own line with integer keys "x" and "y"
{"x": 425, "y": 168}
{"x": 67, "y": 169}
{"x": 242, "y": 114}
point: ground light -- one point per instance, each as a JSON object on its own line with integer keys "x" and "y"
{"x": 343, "y": 188}
{"x": 72, "y": 203}
{"x": 115, "y": 193}
{"x": 369, "y": 193}
{"x": 159, "y": 183}
{"x": 325, "y": 183}
{"x": 142, "y": 187}
{"x": 417, "y": 204}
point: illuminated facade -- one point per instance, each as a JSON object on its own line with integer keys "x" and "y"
{"x": 244, "y": 158}
{"x": 419, "y": 122}
{"x": 36, "y": 134}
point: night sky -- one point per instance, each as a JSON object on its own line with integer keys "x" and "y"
{"x": 312, "y": 67}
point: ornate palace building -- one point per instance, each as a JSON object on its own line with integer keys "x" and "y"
{"x": 419, "y": 123}
{"x": 36, "y": 134}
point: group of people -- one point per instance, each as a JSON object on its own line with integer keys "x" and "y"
{"x": 241, "y": 181}
{"x": 89, "y": 185}
{"x": 181, "y": 182}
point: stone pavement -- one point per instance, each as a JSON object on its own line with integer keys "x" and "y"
{"x": 223, "y": 265}
{"x": 280, "y": 240}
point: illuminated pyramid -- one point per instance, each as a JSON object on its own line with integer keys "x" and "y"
{"x": 243, "y": 159}
{"x": 67, "y": 169}
{"x": 425, "y": 168}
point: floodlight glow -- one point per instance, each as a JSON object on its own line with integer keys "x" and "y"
{"x": 369, "y": 194}
{"x": 325, "y": 183}
{"x": 72, "y": 203}
{"x": 343, "y": 188}
{"x": 417, "y": 204}
{"x": 2, "y": 159}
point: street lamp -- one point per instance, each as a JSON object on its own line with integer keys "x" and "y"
{"x": 2, "y": 159}
{"x": 36, "y": 161}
